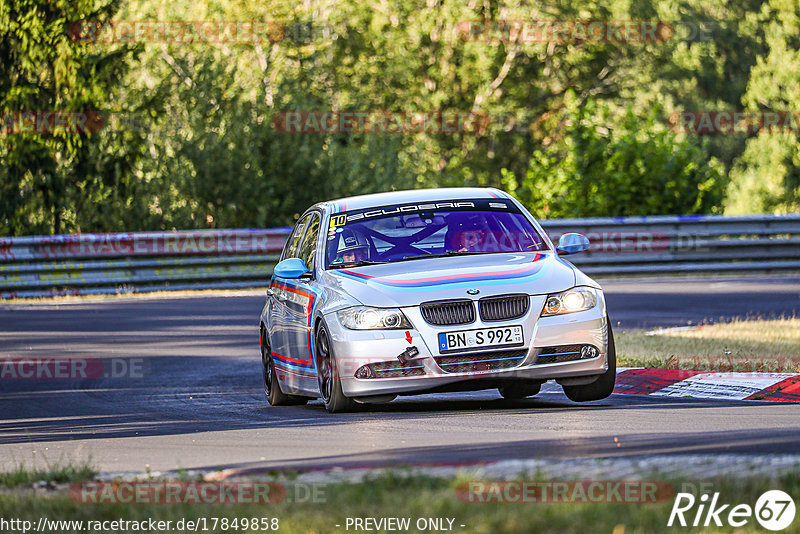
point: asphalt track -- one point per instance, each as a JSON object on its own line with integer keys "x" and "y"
{"x": 194, "y": 398}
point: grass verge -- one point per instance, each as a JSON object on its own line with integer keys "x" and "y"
{"x": 20, "y": 475}
{"x": 394, "y": 494}
{"x": 162, "y": 294}
{"x": 740, "y": 345}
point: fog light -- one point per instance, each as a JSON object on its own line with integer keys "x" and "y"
{"x": 588, "y": 351}
{"x": 365, "y": 371}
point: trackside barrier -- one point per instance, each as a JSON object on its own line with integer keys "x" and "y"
{"x": 684, "y": 244}
{"x": 85, "y": 264}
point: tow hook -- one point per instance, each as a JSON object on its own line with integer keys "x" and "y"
{"x": 407, "y": 354}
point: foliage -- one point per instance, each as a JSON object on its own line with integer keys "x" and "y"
{"x": 766, "y": 177}
{"x": 53, "y": 181}
{"x": 635, "y": 167}
{"x": 577, "y": 127}
{"x": 405, "y": 493}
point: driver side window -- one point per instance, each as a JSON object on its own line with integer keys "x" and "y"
{"x": 293, "y": 243}
{"x": 308, "y": 249}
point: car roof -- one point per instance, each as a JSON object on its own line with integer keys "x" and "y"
{"x": 416, "y": 195}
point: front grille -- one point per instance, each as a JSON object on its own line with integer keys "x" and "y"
{"x": 503, "y": 308}
{"x": 563, "y": 353}
{"x": 448, "y": 312}
{"x": 481, "y": 361}
{"x": 393, "y": 369}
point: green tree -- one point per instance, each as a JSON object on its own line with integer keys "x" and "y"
{"x": 632, "y": 167}
{"x": 570, "y": 118}
{"x": 766, "y": 178}
{"x": 53, "y": 181}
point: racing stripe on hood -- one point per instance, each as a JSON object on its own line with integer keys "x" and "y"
{"x": 529, "y": 272}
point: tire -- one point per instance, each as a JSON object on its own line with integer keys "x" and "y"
{"x": 272, "y": 387}
{"x": 519, "y": 389}
{"x": 330, "y": 383}
{"x": 604, "y": 385}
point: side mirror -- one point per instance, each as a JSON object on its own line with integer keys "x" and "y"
{"x": 572, "y": 244}
{"x": 292, "y": 268}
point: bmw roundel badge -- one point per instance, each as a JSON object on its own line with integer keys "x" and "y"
{"x": 473, "y": 291}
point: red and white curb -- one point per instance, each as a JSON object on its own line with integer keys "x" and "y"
{"x": 703, "y": 385}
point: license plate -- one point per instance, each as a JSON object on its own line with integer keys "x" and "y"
{"x": 502, "y": 336}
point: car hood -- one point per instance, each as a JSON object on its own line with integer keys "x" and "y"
{"x": 410, "y": 282}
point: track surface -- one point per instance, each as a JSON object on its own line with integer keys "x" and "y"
{"x": 199, "y": 401}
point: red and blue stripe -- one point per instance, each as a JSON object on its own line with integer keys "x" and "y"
{"x": 313, "y": 301}
{"x": 526, "y": 273}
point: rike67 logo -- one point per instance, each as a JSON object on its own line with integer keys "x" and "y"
{"x": 774, "y": 510}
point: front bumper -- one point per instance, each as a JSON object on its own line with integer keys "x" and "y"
{"x": 356, "y": 348}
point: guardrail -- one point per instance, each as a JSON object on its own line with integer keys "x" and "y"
{"x": 88, "y": 264}
{"x": 691, "y": 243}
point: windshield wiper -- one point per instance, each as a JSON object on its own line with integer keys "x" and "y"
{"x": 442, "y": 254}
{"x": 357, "y": 264}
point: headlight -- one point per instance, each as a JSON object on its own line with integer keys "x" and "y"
{"x": 570, "y": 301}
{"x": 366, "y": 318}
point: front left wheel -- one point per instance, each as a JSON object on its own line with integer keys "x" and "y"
{"x": 604, "y": 385}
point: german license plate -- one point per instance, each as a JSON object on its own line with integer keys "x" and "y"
{"x": 501, "y": 336}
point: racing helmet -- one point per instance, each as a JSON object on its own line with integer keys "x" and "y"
{"x": 353, "y": 246}
{"x": 467, "y": 232}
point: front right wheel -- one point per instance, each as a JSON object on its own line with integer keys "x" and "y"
{"x": 330, "y": 382}
{"x": 604, "y": 385}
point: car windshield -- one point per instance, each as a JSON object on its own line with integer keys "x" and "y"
{"x": 428, "y": 230}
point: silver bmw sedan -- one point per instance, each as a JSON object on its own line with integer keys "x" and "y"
{"x": 426, "y": 291}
